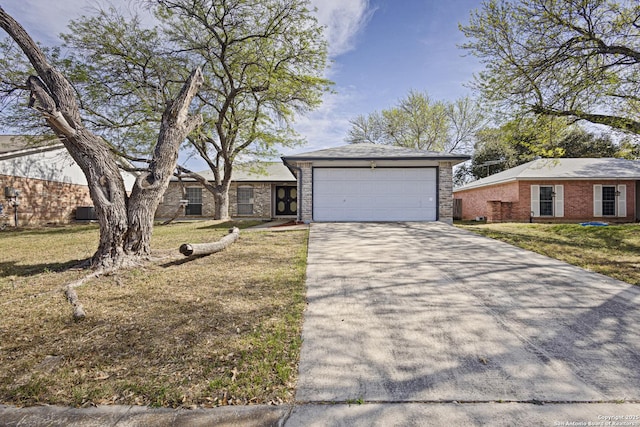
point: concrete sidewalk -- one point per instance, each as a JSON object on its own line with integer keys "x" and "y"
{"x": 420, "y": 324}
{"x": 365, "y": 415}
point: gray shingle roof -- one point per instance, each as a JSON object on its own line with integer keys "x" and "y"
{"x": 368, "y": 151}
{"x": 16, "y": 143}
{"x": 255, "y": 172}
{"x": 563, "y": 169}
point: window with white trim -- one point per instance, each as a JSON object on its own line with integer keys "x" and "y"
{"x": 245, "y": 200}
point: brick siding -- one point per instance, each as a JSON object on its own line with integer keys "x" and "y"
{"x": 44, "y": 202}
{"x": 514, "y": 199}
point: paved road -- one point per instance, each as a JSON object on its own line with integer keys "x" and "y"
{"x": 426, "y": 314}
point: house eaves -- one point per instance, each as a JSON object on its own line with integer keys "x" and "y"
{"x": 16, "y": 146}
{"x": 373, "y": 152}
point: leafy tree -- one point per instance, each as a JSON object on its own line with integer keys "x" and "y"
{"x": 126, "y": 220}
{"x": 263, "y": 63}
{"x": 565, "y": 58}
{"x": 419, "y": 122}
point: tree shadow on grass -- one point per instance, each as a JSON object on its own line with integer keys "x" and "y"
{"x": 230, "y": 224}
{"x": 183, "y": 260}
{"x": 11, "y": 268}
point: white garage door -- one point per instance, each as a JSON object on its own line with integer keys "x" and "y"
{"x": 380, "y": 194}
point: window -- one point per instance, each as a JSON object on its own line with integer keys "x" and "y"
{"x": 194, "y": 196}
{"x": 546, "y": 200}
{"x": 245, "y": 200}
{"x": 608, "y": 200}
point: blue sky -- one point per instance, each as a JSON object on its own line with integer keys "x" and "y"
{"x": 399, "y": 45}
{"x": 380, "y": 50}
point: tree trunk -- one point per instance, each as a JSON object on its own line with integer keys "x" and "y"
{"x": 222, "y": 201}
{"x": 125, "y": 222}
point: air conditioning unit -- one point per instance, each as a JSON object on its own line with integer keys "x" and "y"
{"x": 86, "y": 213}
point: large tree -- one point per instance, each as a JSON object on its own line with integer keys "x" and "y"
{"x": 126, "y": 220}
{"x": 264, "y": 62}
{"x": 572, "y": 58}
{"x": 419, "y": 122}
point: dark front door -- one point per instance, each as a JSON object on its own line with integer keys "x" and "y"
{"x": 286, "y": 200}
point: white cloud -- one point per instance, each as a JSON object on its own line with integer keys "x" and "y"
{"x": 45, "y": 20}
{"x": 328, "y": 125}
{"x": 343, "y": 21}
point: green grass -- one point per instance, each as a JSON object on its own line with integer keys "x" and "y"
{"x": 613, "y": 250}
{"x": 216, "y": 330}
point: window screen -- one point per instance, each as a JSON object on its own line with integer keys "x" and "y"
{"x": 546, "y": 200}
{"x": 245, "y": 200}
{"x": 194, "y": 196}
{"x": 608, "y": 200}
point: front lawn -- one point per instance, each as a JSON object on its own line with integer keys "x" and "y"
{"x": 217, "y": 330}
{"x": 612, "y": 250}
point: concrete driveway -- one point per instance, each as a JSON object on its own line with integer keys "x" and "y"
{"x": 409, "y": 321}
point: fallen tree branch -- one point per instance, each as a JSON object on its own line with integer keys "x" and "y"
{"x": 72, "y": 296}
{"x": 188, "y": 249}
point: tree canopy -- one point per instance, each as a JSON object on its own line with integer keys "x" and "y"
{"x": 419, "y": 122}
{"x": 264, "y": 62}
{"x": 569, "y": 58}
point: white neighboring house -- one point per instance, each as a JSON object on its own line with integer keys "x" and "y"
{"x": 50, "y": 185}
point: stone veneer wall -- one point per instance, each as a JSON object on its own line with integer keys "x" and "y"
{"x": 261, "y": 199}
{"x": 305, "y": 190}
{"x": 44, "y": 202}
{"x": 445, "y": 192}
{"x": 171, "y": 201}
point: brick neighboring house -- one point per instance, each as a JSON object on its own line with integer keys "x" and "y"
{"x": 51, "y": 185}
{"x": 557, "y": 190}
{"x": 262, "y": 190}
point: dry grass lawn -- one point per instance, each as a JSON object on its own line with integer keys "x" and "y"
{"x": 217, "y": 330}
{"x": 613, "y": 250}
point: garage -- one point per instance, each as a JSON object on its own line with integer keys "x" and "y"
{"x": 374, "y": 182}
{"x": 375, "y": 194}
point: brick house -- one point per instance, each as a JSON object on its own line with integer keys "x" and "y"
{"x": 51, "y": 185}
{"x": 262, "y": 190}
{"x": 556, "y": 190}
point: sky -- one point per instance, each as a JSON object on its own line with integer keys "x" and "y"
{"x": 379, "y": 51}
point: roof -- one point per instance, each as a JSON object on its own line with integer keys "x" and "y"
{"x": 369, "y": 151}
{"x": 563, "y": 169}
{"x": 18, "y": 145}
{"x": 255, "y": 172}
